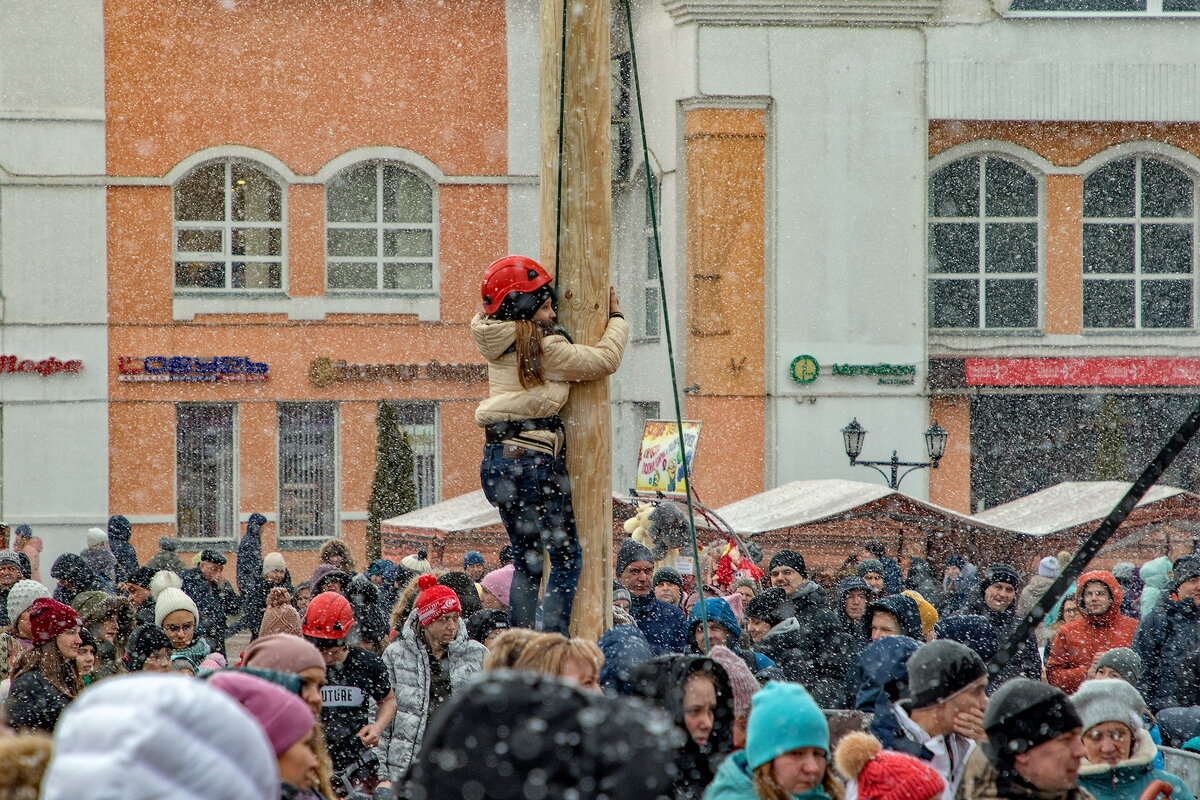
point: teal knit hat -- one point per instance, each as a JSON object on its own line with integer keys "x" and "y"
{"x": 783, "y": 717}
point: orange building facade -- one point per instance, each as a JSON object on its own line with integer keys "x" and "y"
{"x": 300, "y": 201}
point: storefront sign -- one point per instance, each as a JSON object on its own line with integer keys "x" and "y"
{"x": 1082, "y": 371}
{"x": 659, "y": 466}
{"x": 806, "y": 369}
{"x": 201, "y": 369}
{"x": 326, "y": 372}
{"x": 45, "y": 367}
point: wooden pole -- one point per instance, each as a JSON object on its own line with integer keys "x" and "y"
{"x": 577, "y": 229}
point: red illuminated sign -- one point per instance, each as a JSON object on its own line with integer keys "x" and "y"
{"x": 47, "y": 366}
{"x": 1082, "y": 371}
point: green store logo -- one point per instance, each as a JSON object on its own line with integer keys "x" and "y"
{"x": 805, "y": 369}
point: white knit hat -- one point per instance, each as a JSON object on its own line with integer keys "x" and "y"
{"x": 172, "y": 599}
{"x": 21, "y": 596}
{"x": 1048, "y": 567}
{"x": 272, "y": 562}
{"x": 162, "y": 579}
{"x": 96, "y": 536}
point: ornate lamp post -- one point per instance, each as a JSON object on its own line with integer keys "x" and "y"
{"x": 853, "y": 436}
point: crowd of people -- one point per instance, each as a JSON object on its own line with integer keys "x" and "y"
{"x": 403, "y": 680}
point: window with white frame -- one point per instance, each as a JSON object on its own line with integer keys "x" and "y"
{"x": 1139, "y": 232}
{"x": 419, "y": 421}
{"x": 228, "y": 228}
{"x": 651, "y": 294}
{"x": 983, "y": 245}
{"x": 307, "y": 470}
{"x": 205, "y": 455}
{"x": 380, "y": 230}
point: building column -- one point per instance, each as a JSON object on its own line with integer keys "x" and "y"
{"x": 725, "y": 217}
{"x": 1064, "y": 254}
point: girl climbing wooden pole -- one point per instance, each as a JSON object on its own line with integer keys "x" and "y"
{"x": 524, "y": 472}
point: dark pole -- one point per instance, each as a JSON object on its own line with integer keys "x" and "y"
{"x": 1098, "y": 539}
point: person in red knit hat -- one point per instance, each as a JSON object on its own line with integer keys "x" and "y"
{"x": 873, "y": 773}
{"x": 46, "y": 680}
{"x": 430, "y": 659}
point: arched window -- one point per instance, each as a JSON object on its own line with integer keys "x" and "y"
{"x": 380, "y": 230}
{"x": 983, "y": 245}
{"x": 1139, "y": 231}
{"x": 228, "y": 228}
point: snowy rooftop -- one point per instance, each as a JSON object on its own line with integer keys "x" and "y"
{"x": 463, "y": 513}
{"x": 802, "y": 502}
{"x": 1066, "y": 505}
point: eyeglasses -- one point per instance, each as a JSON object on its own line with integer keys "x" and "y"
{"x": 1117, "y": 735}
{"x": 184, "y": 628}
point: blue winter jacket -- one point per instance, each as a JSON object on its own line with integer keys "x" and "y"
{"x": 662, "y": 623}
{"x": 119, "y": 531}
{"x": 721, "y": 614}
{"x": 624, "y": 647}
{"x": 881, "y": 676}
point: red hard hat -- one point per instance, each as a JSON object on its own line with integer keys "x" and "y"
{"x": 511, "y": 274}
{"x": 328, "y": 616}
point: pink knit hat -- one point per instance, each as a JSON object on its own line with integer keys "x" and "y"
{"x": 283, "y": 716}
{"x": 282, "y": 652}
{"x": 499, "y": 583}
{"x": 741, "y": 679}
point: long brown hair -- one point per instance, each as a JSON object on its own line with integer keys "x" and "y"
{"x": 529, "y": 353}
{"x": 767, "y": 788}
{"x": 58, "y": 671}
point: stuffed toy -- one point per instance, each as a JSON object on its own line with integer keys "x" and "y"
{"x": 669, "y": 532}
{"x": 638, "y": 526}
{"x": 732, "y": 565}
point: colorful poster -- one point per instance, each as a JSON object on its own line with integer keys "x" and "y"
{"x": 659, "y": 466}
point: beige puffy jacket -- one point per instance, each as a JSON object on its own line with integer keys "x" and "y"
{"x": 562, "y": 362}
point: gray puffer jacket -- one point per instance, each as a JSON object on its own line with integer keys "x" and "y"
{"x": 407, "y": 663}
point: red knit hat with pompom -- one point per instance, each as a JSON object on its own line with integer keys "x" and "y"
{"x": 883, "y": 774}
{"x": 435, "y": 600}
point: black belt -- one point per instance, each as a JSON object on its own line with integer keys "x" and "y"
{"x": 499, "y": 431}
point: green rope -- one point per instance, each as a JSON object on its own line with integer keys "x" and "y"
{"x": 662, "y": 292}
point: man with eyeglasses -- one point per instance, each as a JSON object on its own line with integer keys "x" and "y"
{"x": 1078, "y": 645}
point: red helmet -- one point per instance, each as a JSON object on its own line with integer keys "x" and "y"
{"x": 511, "y": 274}
{"x": 328, "y": 616}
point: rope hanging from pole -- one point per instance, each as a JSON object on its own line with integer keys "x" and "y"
{"x": 662, "y": 293}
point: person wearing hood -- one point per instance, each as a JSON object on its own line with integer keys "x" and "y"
{"x": 624, "y": 648}
{"x": 99, "y": 558}
{"x": 1100, "y": 628}
{"x": 958, "y": 584}
{"x": 336, "y": 553}
{"x": 787, "y": 751}
{"x": 166, "y": 558}
{"x": 894, "y": 615}
{"x": 942, "y": 716}
{"x": 1169, "y": 637}
{"x": 880, "y": 679}
{"x": 74, "y": 576}
{"x": 573, "y": 744}
{"x": 110, "y": 621}
{"x": 372, "y": 629}
{"x": 975, "y": 632}
{"x": 382, "y": 575}
{"x": 119, "y": 532}
{"x": 1032, "y": 751}
{"x": 723, "y": 629}
{"x": 853, "y": 596}
{"x": 995, "y": 598}
{"x": 663, "y": 624}
{"x": 523, "y": 471}
{"x": 250, "y": 571}
{"x": 695, "y": 693}
{"x": 1119, "y": 760}
{"x": 46, "y": 680}
{"x": 804, "y": 626}
{"x": 1155, "y": 575}
{"x": 430, "y": 659}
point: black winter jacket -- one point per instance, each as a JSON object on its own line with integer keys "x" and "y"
{"x": 1167, "y": 641}
{"x": 803, "y": 651}
{"x": 35, "y": 703}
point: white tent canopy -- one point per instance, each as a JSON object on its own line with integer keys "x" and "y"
{"x": 467, "y": 512}
{"x": 1065, "y": 506}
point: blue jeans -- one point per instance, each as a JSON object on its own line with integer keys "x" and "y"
{"x": 533, "y": 495}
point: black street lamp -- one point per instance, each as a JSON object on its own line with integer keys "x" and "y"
{"x": 854, "y": 434}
